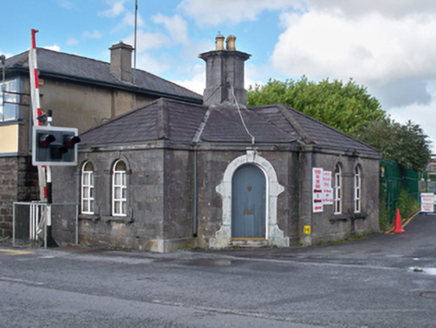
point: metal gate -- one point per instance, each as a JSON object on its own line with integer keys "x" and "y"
{"x": 249, "y": 203}
{"x": 29, "y": 225}
{"x": 394, "y": 178}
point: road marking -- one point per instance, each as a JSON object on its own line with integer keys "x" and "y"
{"x": 21, "y": 281}
{"x": 284, "y": 316}
{"x": 14, "y": 252}
{"x": 405, "y": 222}
{"x": 313, "y": 263}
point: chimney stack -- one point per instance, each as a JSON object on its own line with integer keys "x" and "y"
{"x": 224, "y": 68}
{"x": 121, "y": 61}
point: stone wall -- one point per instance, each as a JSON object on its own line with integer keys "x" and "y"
{"x": 160, "y": 193}
{"x": 327, "y": 226}
{"x": 179, "y": 196}
{"x": 19, "y": 182}
{"x": 211, "y": 168}
{"x": 142, "y": 228}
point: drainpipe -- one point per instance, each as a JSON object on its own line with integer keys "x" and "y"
{"x": 194, "y": 226}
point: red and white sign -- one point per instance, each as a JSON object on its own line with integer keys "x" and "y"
{"x": 327, "y": 189}
{"x": 317, "y": 194}
{"x": 427, "y": 202}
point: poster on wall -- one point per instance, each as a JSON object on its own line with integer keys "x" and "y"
{"x": 317, "y": 194}
{"x": 327, "y": 190}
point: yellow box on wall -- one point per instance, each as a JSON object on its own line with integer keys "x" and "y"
{"x": 9, "y": 139}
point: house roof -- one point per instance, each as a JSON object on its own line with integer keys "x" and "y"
{"x": 161, "y": 119}
{"x": 310, "y": 130}
{"x": 184, "y": 122}
{"x": 73, "y": 67}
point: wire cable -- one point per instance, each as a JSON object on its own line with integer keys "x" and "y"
{"x": 239, "y": 111}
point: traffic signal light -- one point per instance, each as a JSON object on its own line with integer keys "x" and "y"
{"x": 54, "y": 146}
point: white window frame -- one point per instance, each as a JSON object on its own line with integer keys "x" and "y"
{"x": 87, "y": 192}
{"x": 357, "y": 189}
{"x": 337, "y": 208}
{"x": 9, "y": 96}
{"x": 119, "y": 190}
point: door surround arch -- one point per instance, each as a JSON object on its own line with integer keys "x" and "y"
{"x": 274, "y": 235}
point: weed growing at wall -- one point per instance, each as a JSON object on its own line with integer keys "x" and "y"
{"x": 407, "y": 204}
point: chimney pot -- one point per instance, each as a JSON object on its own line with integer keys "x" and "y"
{"x": 219, "y": 41}
{"x": 231, "y": 44}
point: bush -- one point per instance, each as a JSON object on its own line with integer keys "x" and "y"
{"x": 407, "y": 204}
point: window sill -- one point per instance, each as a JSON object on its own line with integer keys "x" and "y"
{"x": 360, "y": 215}
{"x": 123, "y": 219}
{"x": 91, "y": 217}
{"x": 339, "y": 217}
{"x": 11, "y": 122}
{"x": 349, "y": 216}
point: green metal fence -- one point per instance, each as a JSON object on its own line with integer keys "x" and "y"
{"x": 393, "y": 178}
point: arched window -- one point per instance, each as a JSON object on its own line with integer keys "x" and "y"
{"x": 119, "y": 189}
{"x": 338, "y": 190}
{"x": 357, "y": 189}
{"x": 87, "y": 192}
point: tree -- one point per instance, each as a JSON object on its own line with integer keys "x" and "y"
{"x": 346, "y": 107}
{"x": 406, "y": 144}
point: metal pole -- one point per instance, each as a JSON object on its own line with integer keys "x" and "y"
{"x": 3, "y": 60}
{"x": 50, "y": 241}
{"x": 13, "y": 224}
{"x": 77, "y": 224}
{"x": 31, "y": 226}
{"x": 136, "y": 24}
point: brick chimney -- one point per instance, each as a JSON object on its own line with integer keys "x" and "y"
{"x": 121, "y": 61}
{"x": 224, "y": 67}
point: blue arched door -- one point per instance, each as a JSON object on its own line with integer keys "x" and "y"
{"x": 248, "y": 202}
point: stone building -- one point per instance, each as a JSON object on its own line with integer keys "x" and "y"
{"x": 175, "y": 174}
{"x": 81, "y": 92}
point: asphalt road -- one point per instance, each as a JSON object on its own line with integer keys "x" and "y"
{"x": 381, "y": 281}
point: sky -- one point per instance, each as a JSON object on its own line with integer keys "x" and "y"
{"x": 388, "y": 46}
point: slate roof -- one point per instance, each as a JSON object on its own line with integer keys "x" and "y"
{"x": 73, "y": 67}
{"x": 179, "y": 121}
{"x": 161, "y": 119}
{"x": 309, "y": 129}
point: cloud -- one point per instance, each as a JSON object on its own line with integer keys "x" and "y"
{"x": 215, "y": 12}
{"x": 150, "y": 64}
{"x": 129, "y": 19}
{"x": 197, "y": 82}
{"x": 176, "y": 26}
{"x": 404, "y": 92}
{"x": 92, "y": 35}
{"x": 147, "y": 41}
{"x": 373, "y": 49}
{"x": 116, "y": 9}
{"x": 422, "y": 115}
{"x": 389, "y": 8}
{"x": 53, "y": 47}
{"x": 7, "y": 55}
{"x": 67, "y": 4}
{"x": 72, "y": 41}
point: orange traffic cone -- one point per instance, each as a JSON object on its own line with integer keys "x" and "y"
{"x": 398, "y": 228}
